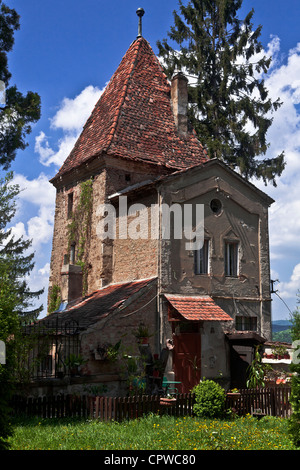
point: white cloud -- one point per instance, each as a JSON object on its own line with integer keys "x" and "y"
{"x": 284, "y": 135}
{"x": 38, "y": 191}
{"x": 40, "y": 228}
{"x": 47, "y": 155}
{"x": 43, "y": 149}
{"x": 70, "y": 119}
{"x": 45, "y": 270}
{"x": 35, "y": 195}
{"x": 289, "y": 289}
{"x": 73, "y": 113}
{"x": 18, "y": 231}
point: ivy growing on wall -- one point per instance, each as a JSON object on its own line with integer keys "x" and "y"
{"x": 79, "y": 228}
{"x": 54, "y": 299}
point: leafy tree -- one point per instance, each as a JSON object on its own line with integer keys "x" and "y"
{"x": 229, "y": 104}
{"x": 294, "y": 422}
{"x": 19, "y": 110}
{"x": 283, "y": 336}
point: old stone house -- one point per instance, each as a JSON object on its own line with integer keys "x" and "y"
{"x": 205, "y": 307}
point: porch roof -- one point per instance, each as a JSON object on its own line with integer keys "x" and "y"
{"x": 197, "y": 308}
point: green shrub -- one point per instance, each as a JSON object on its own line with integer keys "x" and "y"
{"x": 209, "y": 399}
{"x": 294, "y": 421}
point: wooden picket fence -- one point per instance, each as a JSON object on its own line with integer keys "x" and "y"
{"x": 273, "y": 401}
{"x": 103, "y": 408}
{"x": 258, "y": 402}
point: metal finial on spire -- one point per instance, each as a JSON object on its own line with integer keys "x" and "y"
{"x": 140, "y": 13}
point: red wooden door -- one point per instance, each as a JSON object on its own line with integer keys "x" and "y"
{"x": 187, "y": 360}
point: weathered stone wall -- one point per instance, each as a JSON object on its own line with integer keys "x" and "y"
{"x": 60, "y": 232}
{"x": 135, "y": 250}
{"x": 120, "y": 326}
{"x": 109, "y": 176}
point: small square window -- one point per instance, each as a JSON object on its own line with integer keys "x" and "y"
{"x": 202, "y": 259}
{"x": 245, "y": 323}
{"x": 231, "y": 258}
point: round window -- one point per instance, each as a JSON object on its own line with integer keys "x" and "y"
{"x": 216, "y": 206}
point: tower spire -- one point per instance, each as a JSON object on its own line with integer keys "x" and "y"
{"x": 140, "y": 13}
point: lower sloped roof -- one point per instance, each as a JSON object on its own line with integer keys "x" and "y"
{"x": 99, "y": 304}
{"x": 197, "y": 308}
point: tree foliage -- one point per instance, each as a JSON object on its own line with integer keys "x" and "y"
{"x": 256, "y": 371}
{"x": 9, "y": 325}
{"x": 19, "y": 111}
{"x": 294, "y": 422}
{"x": 16, "y": 298}
{"x": 229, "y": 104}
{"x": 15, "y": 259}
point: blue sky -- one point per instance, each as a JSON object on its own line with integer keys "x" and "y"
{"x": 68, "y": 50}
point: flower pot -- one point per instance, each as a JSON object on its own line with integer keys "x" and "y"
{"x": 167, "y": 401}
{"x": 144, "y": 340}
{"x": 74, "y": 371}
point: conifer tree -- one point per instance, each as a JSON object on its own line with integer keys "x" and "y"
{"x": 230, "y": 109}
{"x": 15, "y": 257}
{"x": 17, "y": 111}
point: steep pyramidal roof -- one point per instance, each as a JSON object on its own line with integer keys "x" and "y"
{"x": 133, "y": 118}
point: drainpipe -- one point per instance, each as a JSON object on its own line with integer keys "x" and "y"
{"x": 159, "y": 299}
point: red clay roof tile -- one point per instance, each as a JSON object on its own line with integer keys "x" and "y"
{"x": 197, "y": 308}
{"x": 133, "y": 118}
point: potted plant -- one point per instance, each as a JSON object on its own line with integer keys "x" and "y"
{"x": 73, "y": 362}
{"x": 279, "y": 351}
{"x": 142, "y": 334}
{"x": 167, "y": 401}
{"x": 113, "y": 351}
{"x": 234, "y": 393}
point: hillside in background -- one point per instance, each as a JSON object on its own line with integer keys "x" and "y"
{"x": 281, "y": 331}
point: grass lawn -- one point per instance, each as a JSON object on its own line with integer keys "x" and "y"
{"x": 152, "y": 433}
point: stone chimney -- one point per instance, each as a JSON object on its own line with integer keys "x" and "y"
{"x": 179, "y": 99}
{"x": 71, "y": 282}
